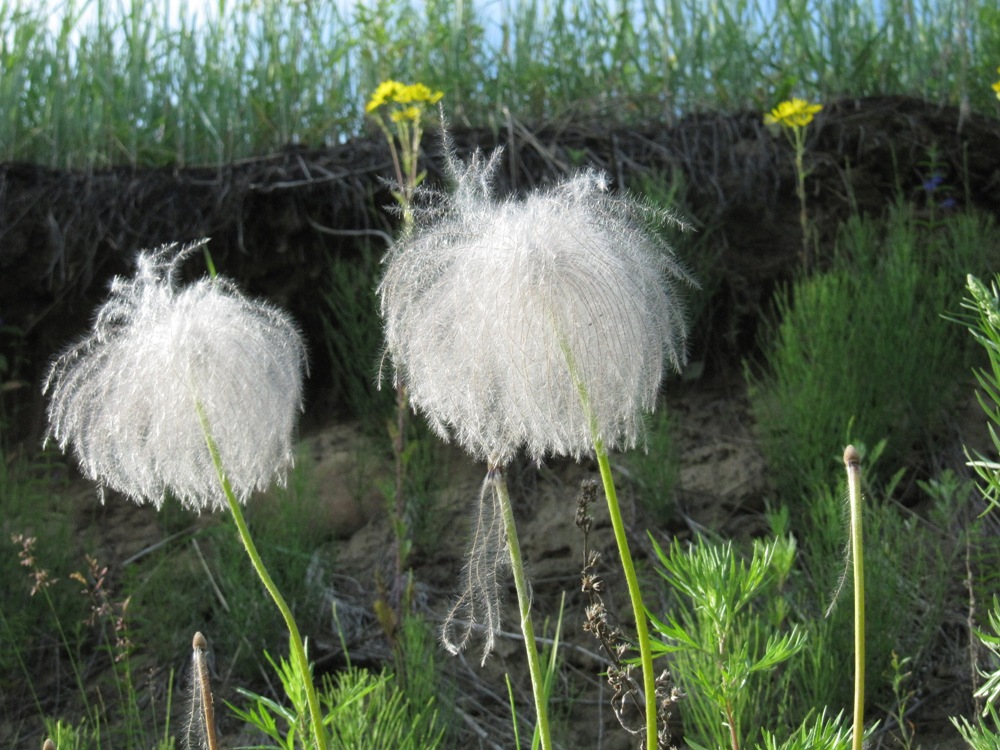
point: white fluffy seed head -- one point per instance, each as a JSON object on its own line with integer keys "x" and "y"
{"x": 125, "y": 397}
{"x": 497, "y": 315}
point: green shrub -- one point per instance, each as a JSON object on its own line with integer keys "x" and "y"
{"x": 983, "y": 321}
{"x": 735, "y": 616}
{"x": 727, "y": 632}
{"x": 361, "y": 709}
{"x": 862, "y": 348}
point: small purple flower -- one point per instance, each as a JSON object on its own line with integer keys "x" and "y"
{"x": 933, "y": 182}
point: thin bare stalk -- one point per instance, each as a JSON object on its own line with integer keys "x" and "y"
{"x": 499, "y": 485}
{"x": 635, "y": 595}
{"x": 853, "y": 463}
{"x": 400, "y": 519}
{"x": 298, "y": 652}
{"x": 621, "y": 538}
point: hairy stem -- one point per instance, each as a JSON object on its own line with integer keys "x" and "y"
{"x": 400, "y": 525}
{"x": 524, "y": 607}
{"x": 853, "y": 463}
{"x": 202, "y": 721}
{"x": 298, "y": 651}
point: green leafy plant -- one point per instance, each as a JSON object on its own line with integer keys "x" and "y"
{"x": 903, "y": 695}
{"x": 982, "y": 735}
{"x": 418, "y": 675}
{"x": 833, "y": 356}
{"x": 983, "y": 321}
{"x": 815, "y": 733}
{"x": 726, "y": 631}
{"x": 361, "y": 710}
{"x": 64, "y": 736}
{"x": 984, "y": 303}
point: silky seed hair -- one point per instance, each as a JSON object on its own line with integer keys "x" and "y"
{"x": 126, "y": 397}
{"x": 499, "y": 314}
{"x": 544, "y": 324}
{"x": 477, "y": 610}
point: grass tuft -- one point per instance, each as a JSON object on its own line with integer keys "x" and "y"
{"x": 124, "y": 82}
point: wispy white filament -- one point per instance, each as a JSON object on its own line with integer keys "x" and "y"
{"x": 495, "y": 311}
{"x": 479, "y": 602}
{"x": 544, "y": 324}
{"x": 125, "y": 397}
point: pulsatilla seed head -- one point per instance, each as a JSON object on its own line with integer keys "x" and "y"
{"x": 126, "y": 398}
{"x": 544, "y": 323}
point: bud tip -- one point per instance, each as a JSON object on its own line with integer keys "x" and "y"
{"x": 851, "y": 456}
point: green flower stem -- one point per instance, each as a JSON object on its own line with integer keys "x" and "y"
{"x": 499, "y": 483}
{"x": 638, "y": 608}
{"x": 853, "y": 463}
{"x": 298, "y": 652}
{"x": 631, "y": 580}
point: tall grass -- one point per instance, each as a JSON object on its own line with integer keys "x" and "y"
{"x": 103, "y": 82}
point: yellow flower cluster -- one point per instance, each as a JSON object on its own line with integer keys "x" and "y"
{"x": 402, "y": 129}
{"x": 794, "y": 113}
{"x": 996, "y": 86}
{"x": 414, "y": 95}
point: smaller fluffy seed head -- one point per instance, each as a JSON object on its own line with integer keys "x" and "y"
{"x": 125, "y": 398}
{"x": 500, "y": 315}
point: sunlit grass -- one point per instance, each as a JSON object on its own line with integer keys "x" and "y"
{"x": 124, "y": 82}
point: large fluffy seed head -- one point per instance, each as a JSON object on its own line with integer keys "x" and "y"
{"x": 126, "y": 397}
{"x": 503, "y": 319}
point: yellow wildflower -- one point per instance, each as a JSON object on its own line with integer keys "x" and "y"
{"x": 419, "y": 93}
{"x": 401, "y": 126}
{"x": 401, "y": 93}
{"x": 386, "y": 91}
{"x": 411, "y": 114}
{"x": 793, "y": 113}
{"x": 996, "y": 86}
{"x": 793, "y": 116}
